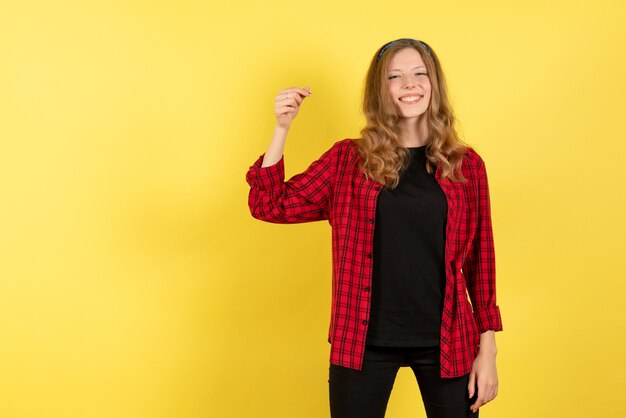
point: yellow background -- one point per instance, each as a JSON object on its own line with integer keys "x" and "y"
{"x": 135, "y": 283}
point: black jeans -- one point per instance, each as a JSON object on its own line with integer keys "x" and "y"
{"x": 365, "y": 393}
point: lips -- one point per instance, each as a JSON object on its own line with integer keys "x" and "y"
{"x": 414, "y": 98}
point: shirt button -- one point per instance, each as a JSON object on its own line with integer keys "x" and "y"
{"x": 367, "y": 289}
{"x": 364, "y": 322}
{"x": 371, "y": 220}
{"x": 369, "y": 255}
{"x": 377, "y": 187}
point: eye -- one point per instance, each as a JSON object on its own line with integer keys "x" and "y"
{"x": 394, "y": 76}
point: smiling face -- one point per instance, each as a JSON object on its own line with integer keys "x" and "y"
{"x": 407, "y": 77}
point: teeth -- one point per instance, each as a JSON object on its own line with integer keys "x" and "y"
{"x": 410, "y": 99}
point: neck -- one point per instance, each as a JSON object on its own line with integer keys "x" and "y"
{"x": 413, "y": 133}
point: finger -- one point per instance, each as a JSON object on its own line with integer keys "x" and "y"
{"x": 493, "y": 391}
{"x": 286, "y": 110}
{"x": 471, "y": 384}
{"x": 477, "y": 391}
{"x": 479, "y": 402}
{"x": 303, "y": 92}
{"x": 483, "y": 391}
{"x": 474, "y": 407}
{"x": 288, "y": 89}
{"x": 282, "y": 97}
{"x": 482, "y": 398}
{"x": 294, "y": 92}
{"x": 298, "y": 98}
{"x": 490, "y": 391}
{"x": 289, "y": 98}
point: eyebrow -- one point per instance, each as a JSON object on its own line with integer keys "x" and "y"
{"x": 396, "y": 69}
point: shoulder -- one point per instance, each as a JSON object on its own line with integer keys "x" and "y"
{"x": 346, "y": 145}
{"x": 339, "y": 155}
{"x": 472, "y": 156}
{"x": 344, "y": 148}
{"x": 472, "y": 160}
{"x": 473, "y": 166}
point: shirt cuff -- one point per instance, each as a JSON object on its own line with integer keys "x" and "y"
{"x": 266, "y": 177}
{"x": 488, "y": 319}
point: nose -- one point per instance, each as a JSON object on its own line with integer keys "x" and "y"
{"x": 409, "y": 82}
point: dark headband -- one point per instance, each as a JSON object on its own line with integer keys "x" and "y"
{"x": 380, "y": 54}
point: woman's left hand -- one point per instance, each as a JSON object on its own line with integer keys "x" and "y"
{"x": 484, "y": 376}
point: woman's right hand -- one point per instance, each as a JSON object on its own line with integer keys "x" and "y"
{"x": 287, "y": 103}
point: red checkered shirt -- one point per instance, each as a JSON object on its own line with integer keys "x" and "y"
{"x": 333, "y": 188}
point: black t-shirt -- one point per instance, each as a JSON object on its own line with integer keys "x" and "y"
{"x": 409, "y": 273}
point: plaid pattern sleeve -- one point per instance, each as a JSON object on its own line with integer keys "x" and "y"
{"x": 305, "y": 197}
{"x": 480, "y": 262}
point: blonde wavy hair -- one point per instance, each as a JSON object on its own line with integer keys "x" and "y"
{"x": 383, "y": 158}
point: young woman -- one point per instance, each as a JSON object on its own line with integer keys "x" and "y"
{"x": 409, "y": 207}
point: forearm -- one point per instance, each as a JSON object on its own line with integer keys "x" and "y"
{"x": 305, "y": 197}
{"x": 488, "y": 342}
{"x": 277, "y": 147}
